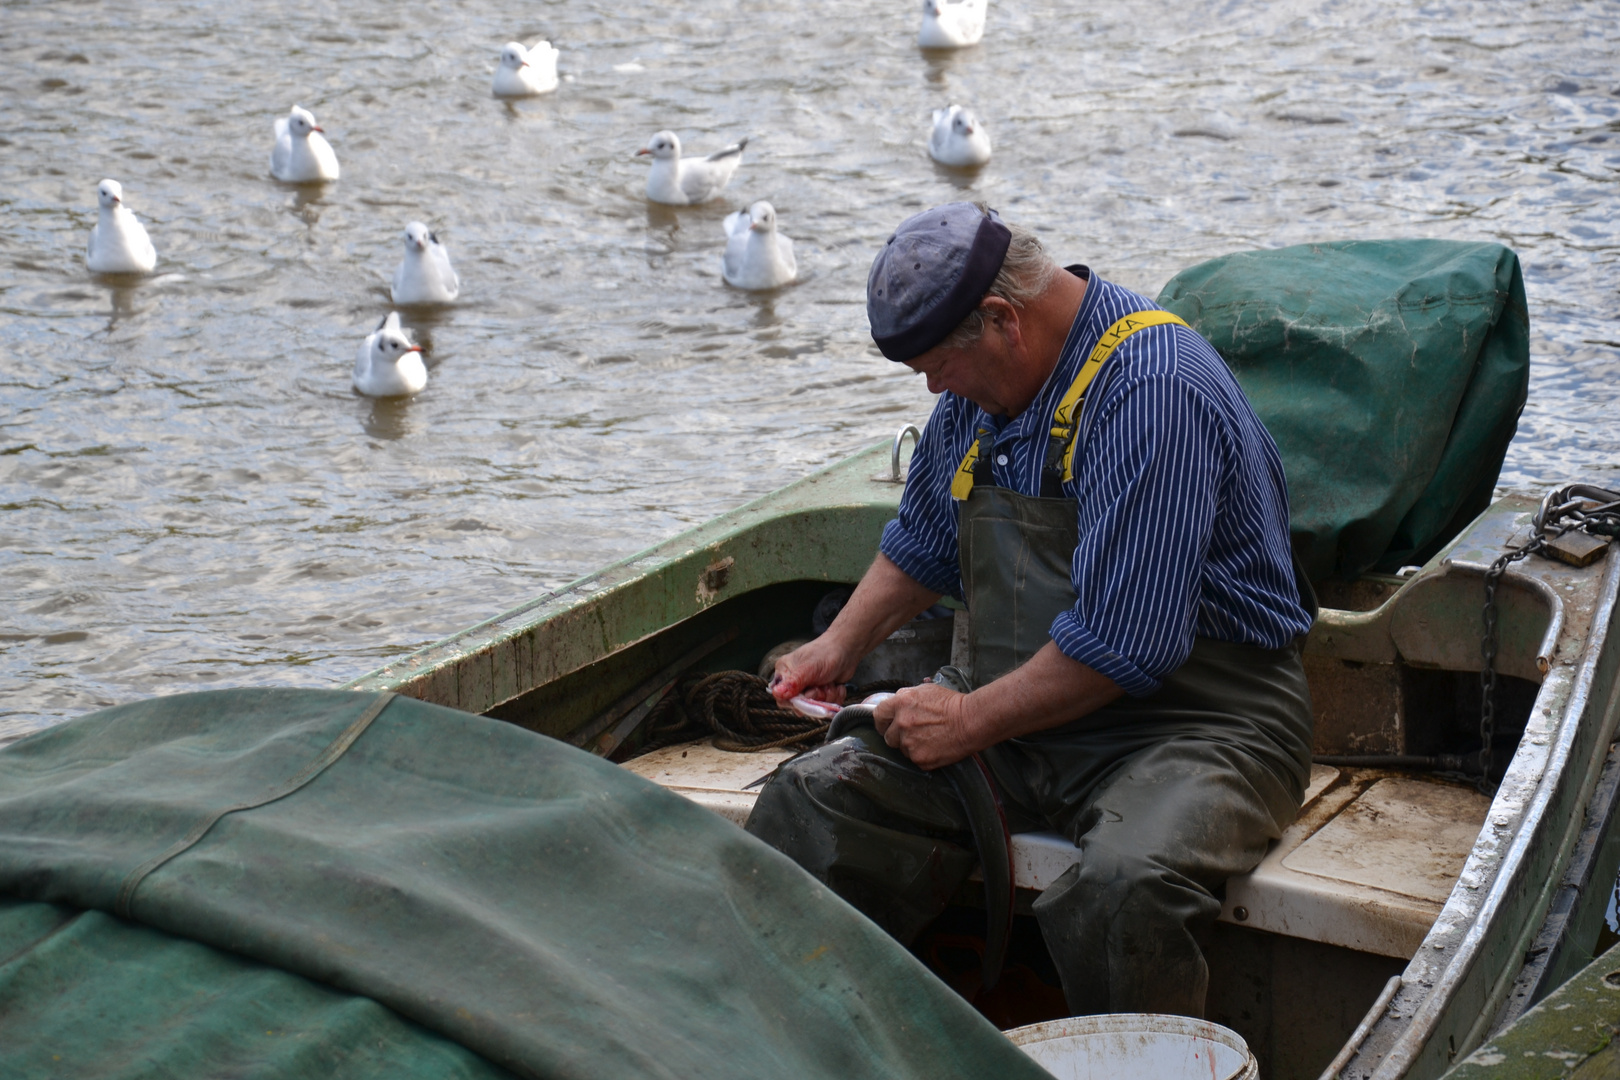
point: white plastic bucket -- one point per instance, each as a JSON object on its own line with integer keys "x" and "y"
{"x": 1142, "y": 1046}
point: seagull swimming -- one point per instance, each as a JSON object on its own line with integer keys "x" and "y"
{"x": 425, "y": 275}
{"x": 388, "y": 365}
{"x": 118, "y": 242}
{"x": 948, "y": 25}
{"x": 678, "y": 182}
{"x": 958, "y": 139}
{"x": 526, "y": 72}
{"x": 302, "y": 155}
{"x": 757, "y": 256}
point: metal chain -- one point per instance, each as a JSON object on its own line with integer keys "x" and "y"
{"x": 1487, "y": 652}
{"x": 1562, "y": 510}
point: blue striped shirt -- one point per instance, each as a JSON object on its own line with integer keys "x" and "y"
{"x": 1182, "y": 502}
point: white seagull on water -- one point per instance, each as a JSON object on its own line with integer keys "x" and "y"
{"x": 118, "y": 242}
{"x": 424, "y": 275}
{"x": 526, "y": 72}
{"x": 958, "y": 138}
{"x": 757, "y": 256}
{"x": 687, "y": 182}
{"x": 951, "y": 25}
{"x": 388, "y": 365}
{"x": 301, "y": 155}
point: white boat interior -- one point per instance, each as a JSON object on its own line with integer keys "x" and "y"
{"x": 1367, "y": 866}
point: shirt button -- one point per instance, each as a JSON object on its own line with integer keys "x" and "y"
{"x": 1001, "y": 459}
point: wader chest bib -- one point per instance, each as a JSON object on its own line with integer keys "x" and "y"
{"x": 1016, "y": 550}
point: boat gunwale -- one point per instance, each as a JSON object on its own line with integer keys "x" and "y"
{"x": 1439, "y": 989}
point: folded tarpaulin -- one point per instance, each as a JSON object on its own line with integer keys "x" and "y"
{"x": 84, "y": 994}
{"x": 1391, "y": 373}
{"x": 553, "y": 913}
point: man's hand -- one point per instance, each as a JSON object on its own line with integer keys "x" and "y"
{"x": 885, "y": 600}
{"x": 929, "y": 723}
{"x": 935, "y": 725}
{"x": 817, "y": 669}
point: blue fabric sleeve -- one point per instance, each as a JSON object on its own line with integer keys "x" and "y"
{"x": 1148, "y": 476}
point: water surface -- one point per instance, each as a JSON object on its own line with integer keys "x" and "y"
{"x": 191, "y": 495}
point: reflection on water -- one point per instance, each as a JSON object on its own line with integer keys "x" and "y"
{"x": 964, "y": 179}
{"x": 123, "y": 291}
{"x": 663, "y": 219}
{"x": 939, "y": 63}
{"x": 192, "y": 495}
{"x": 387, "y": 418}
{"x": 764, "y": 303}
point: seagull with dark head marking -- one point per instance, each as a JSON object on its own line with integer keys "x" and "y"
{"x": 424, "y": 276}
{"x": 525, "y": 72}
{"x": 387, "y": 364}
{"x": 949, "y": 25}
{"x": 678, "y": 181}
{"x": 118, "y": 242}
{"x": 757, "y": 256}
{"x": 958, "y": 139}
{"x": 301, "y": 154}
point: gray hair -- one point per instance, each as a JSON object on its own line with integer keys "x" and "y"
{"x": 1026, "y": 273}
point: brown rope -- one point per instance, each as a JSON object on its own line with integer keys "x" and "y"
{"x": 736, "y": 708}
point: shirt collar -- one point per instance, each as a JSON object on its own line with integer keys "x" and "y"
{"x": 1039, "y": 414}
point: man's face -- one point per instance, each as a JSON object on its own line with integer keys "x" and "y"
{"x": 977, "y": 372}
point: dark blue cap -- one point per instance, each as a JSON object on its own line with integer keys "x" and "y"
{"x": 931, "y": 275}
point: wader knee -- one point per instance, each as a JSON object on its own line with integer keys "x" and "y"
{"x": 882, "y": 834}
{"x": 1120, "y": 928}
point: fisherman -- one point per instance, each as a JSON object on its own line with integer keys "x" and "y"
{"x": 1097, "y": 490}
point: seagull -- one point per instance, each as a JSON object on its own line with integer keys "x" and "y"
{"x": 951, "y": 26}
{"x": 757, "y": 256}
{"x": 526, "y": 72}
{"x": 118, "y": 242}
{"x": 302, "y": 154}
{"x": 425, "y": 275}
{"x": 388, "y": 365}
{"x": 958, "y": 139}
{"x": 687, "y": 183}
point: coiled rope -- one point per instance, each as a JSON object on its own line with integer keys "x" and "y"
{"x": 736, "y": 708}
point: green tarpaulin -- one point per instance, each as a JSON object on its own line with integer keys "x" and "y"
{"x": 548, "y": 911}
{"x": 1391, "y": 373}
{"x": 83, "y": 994}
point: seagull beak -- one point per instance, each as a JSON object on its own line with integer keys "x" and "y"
{"x": 414, "y": 348}
{"x": 642, "y": 151}
{"x": 318, "y": 128}
{"x": 755, "y": 224}
{"x": 523, "y": 64}
{"x": 968, "y": 130}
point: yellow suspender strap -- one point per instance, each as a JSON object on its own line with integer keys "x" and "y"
{"x": 962, "y": 482}
{"x": 1065, "y": 418}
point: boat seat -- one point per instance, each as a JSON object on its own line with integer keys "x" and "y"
{"x": 1368, "y": 865}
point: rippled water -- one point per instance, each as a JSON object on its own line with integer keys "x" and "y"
{"x": 190, "y": 494}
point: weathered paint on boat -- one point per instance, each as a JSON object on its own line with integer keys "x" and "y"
{"x": 1571, "y": 1033}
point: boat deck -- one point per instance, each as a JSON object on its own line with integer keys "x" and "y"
{"x": 1368, "y": 865}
